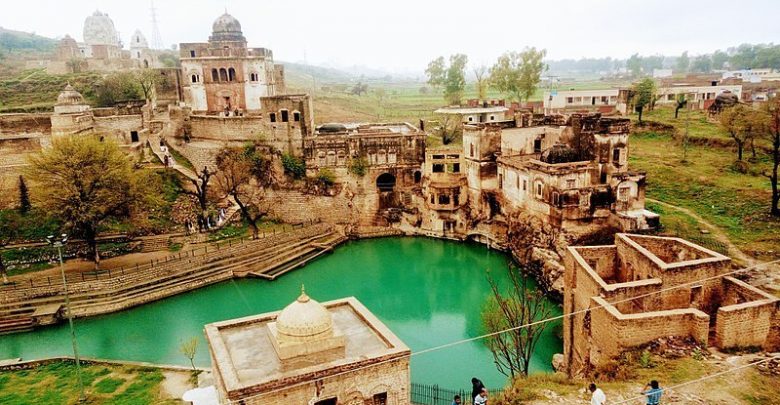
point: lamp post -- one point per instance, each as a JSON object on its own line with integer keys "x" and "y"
{"x": 59, "y": 243}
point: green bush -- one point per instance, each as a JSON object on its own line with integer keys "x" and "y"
{"x": 358, "y": 166}
{"x": 326, "y": 177}
{"x": 294, "y": 166}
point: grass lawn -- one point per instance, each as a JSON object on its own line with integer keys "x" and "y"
{"x": 735, "y": 202}
{"x": 698, "y": 125}
{"x": 56, "y": 383}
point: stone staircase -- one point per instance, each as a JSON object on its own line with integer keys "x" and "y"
{"x": 24, "y": 308}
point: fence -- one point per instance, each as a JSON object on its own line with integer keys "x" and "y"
{"x": 109, "y": 274}
{"x": 433, "y": 395}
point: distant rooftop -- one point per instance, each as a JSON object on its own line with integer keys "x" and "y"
{"x": 471, "y": 110}
{"x": 355, "y": 128}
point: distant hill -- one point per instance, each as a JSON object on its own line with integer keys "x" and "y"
{"x": 303, "y": 76}
{"x": 12, "y": 41}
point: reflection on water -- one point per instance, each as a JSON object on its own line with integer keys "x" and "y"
{"x": 428, "y": 292}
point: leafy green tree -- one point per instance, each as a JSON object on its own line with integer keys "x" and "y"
{"x": 436, "y": 73}
{"x": 702, "y": 64}
{"x": 86, "y": 182}
{"x": 719, "y": 59}
{"x": 644, "y": 95}
{"x": 649, "y": 63}
{"x": 634, "y": 65}
{"x": 118, "y": 87}
{"x": 24, "y": 196}
{"x": 451, "y": 78}
{"x": 245, "y": 174}
{"x": 743, "y": 124}
{"x": 517, "y": 74}
{"x": 683, "y": 62}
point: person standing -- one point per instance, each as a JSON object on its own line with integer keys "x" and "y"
{"x": 653, "y": 393}
{"x": 476, "y": 387}
{"x": 597, "y": 395}
{"x": 481, "y": 399}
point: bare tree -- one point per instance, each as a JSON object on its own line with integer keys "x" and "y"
{"x": 189, "y": 348}
{"x": 511, "y": 321}
{"x": 480, "y": 74}
{"x": 772, "y": 134}
{"x": 449, "y": 128}
{"x": 201, "y": 192}
{"x": 245, "y": 175}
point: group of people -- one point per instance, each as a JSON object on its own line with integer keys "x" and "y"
{"x": 479, "y": 395}
{"x": 205, "y": 224}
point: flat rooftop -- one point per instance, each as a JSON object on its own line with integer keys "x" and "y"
{"x": 471, "y": 110}
{"x": 245, "y": 356}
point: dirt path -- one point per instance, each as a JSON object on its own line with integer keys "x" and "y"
{"x": 766, "y": 276}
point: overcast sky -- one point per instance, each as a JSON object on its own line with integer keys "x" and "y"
{"x": 403, "y": 35}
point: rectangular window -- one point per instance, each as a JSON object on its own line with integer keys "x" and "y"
{"x": 537, "y": 145}
{"x": 500, "y": 181}
{"x": 525, "y": 184}
{"x": 192, "y": 53}
{"x": 571, "y": 183}
{"x": 569, "y": 100}
{"x": 296, "y": 116}
{"x": 273, "y": 117}
{"x": 616, "y": 155}
{"x": 438, "y": 168}
{"x": 444, "y": 199}
{"x": 456, "y": 167}
{"x": 381, "y": 399}
{"x": 623, "y": 193}
{"x": 285, "y": 117}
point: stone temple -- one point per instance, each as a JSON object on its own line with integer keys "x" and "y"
{"x": 309, "y": 353}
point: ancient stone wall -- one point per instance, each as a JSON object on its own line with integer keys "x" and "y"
{"x": 283, "y": 136}
{"x": 35, "y": 124}
{"x": 359, "y": 387}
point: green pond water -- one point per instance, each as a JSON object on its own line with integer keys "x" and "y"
{"x": 428, "y": 292}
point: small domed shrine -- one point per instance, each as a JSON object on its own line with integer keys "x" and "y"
{"x": 309, "y": 352}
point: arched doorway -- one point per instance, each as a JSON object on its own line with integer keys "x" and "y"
{"x": 385, "y": 182}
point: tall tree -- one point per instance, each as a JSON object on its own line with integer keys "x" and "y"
{"x": 683, "y": 62}
{"x": 480, "y": 75}
{"x": 772, "y": 109}
{"x": 452, "y": 77}
{"x": 245, "y": 174}
{"x": 701, "y": 64}
{"x": 680, "y": 103}
{"x": 202, "y": 192}
{"x": 735, "y": 120}
{"x": 517, "y": 74}
{"x": 719, "y": 59}
{"x": 634, "y": 65}
{"x": 644, "y": 95}
{"x": 147, "y": 80}
{"x": 510, "y": 318}
{"x": 86, "y": 182}
{"x": 24, "y": 196}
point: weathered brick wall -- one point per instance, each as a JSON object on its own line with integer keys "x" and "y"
{"x": 39, "y": 123}
{"x": 358, "y": 387}
{"x": 285, "y": 136}
{"x": 747, "y": 316}
{"x": 614, "y": 332}
{"x": 118, "y": 126}
{"x": 297, "y": 206}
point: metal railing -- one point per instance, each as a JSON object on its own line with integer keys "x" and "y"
{"x": 423, "y": 394}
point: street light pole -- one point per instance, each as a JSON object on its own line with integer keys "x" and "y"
{"x": 59, "y": 244}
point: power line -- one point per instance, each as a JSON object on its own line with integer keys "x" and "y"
{"x": 550, "y": 319}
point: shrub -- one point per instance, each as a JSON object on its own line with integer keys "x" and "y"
{"x": 326, "y": 177}
{"x": 358, "y": 166}
{"x": 646, "y": 360}
{"x": 294, "y": 166}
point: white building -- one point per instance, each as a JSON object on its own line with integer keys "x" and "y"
{"x": 470, "y": 115}
{"x": 694, "y": 94}
{"x": 560, "y": 101}
{"x": 753, "y": 75}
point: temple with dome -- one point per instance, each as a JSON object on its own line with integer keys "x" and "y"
{"x": 224, "y": 75}
{"x": 335, "y": 352}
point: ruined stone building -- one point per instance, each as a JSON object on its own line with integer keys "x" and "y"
{"x": 224, "y": 75}
{"x": 102, "y": 50}
{"x": 715, "y": 311}
{"x": 333, "y": 353}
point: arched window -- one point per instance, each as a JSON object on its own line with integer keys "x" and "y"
{"x": 223, "y": 77}
{"x": 214, "y": 75}
{"x": 391, "y": 157}
{"x": 231, "y": 74}
{"x": 296, "y": 116}
{"x": 254, "y": 77}
{"x": 195, "y": 78}
{"x": 321, "y": 159}
{"x": 382, "y": 157}
{"x": 341, "y": 158}
{"x": 372, "y": 157}
{"x": 146, "y": 63}
{"x": 331, "y": 161}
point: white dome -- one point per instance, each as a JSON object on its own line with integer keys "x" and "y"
{"x": 99, "y": 30}
{"x": 304, "y": 318}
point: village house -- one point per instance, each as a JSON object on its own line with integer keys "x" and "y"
{"x": 680, "y": 290}
{"x": 559, "y": 102}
